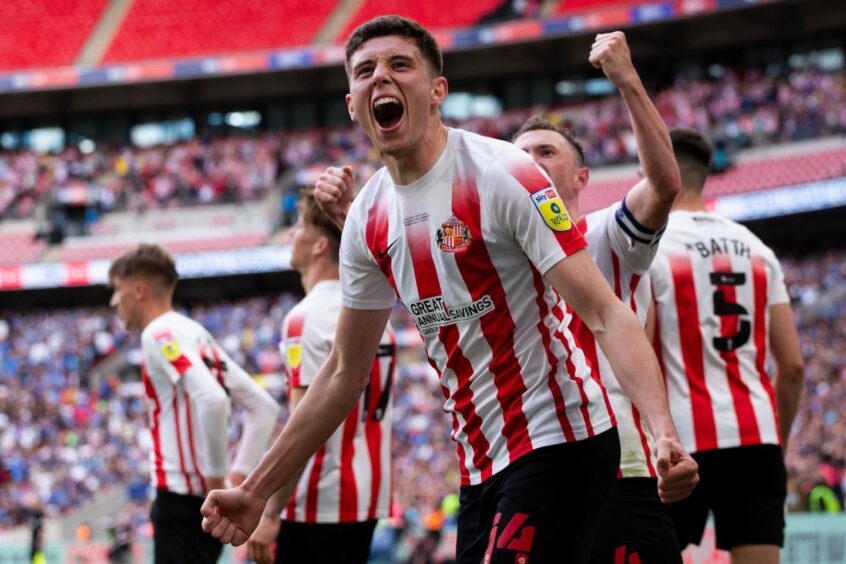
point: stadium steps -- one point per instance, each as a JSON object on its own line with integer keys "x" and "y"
{"x": 336, "y": 21}
{"x": 103, "y": 33}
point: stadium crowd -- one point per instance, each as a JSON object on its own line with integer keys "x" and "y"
{"x": 65, "y": 435}
{"x": 737, "y": 108}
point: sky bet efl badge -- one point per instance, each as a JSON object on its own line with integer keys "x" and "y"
{"x": 552, "y": 209}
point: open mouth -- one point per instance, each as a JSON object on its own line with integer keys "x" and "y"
{"x": 387, "y": 111}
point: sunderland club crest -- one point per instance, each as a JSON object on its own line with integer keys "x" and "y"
{"x": 453, "y": 236}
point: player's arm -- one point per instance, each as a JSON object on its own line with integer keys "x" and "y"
{"x": 176, "y": 355}
{"x": 261, "y": 413}
{"x": 334, "y": 193}
{"x": 790, "y": 368}
{"x": 650, "y": 199}
{"x": 618, "y": 332}
{"x": 232, "y": 515}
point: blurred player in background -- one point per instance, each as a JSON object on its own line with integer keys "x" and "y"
{"x": 623, "y": 240}
{"x": 346, "y": 485}
{"x": 721, "y": 308}
{"x": 477, "y": 244}
{"x": 190, "y": 383}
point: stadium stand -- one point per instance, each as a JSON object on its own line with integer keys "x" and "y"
{"x": 156, "y": 29}
{"x": 45, "y": 34}
{"x": 432, "y": 15}
{"x": 20, "y": 247}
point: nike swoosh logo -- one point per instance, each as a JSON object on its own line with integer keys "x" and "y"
{"x": 384, "y": 252}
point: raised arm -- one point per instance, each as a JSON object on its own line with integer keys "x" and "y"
{"x": 618, "y": 332}
{"x": 790, "y": 367}
{"x": 650, "y": 199}
{"x": 232, "y": 515}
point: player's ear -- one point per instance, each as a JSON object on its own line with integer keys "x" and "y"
{"x": 350, "y": 107}
{"x": 440, "y": 89}
{"x": 582, "y": 177}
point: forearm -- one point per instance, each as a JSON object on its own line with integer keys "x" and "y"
{"x": 330, "y": 398}
{"x": 211, "y": 409}
{"x": 655, "y": 149}
{"x": 624, "y": 342}
{"x": 788, "y": 392}
{"x": 261, "y": 417}
{"x": 280, "y": 497}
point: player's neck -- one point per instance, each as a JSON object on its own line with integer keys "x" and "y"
{"x": 689, "y": 200}
{"x": 318, "y": 273}
{"x": 411, "y": 166}
{"x": 573, "y": 209}
{"x": 154, "y": 311}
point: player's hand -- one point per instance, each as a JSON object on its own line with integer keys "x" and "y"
{"x": 334, "y": 193}
{"x": 260, "y": 546}
{"x": 236, "y": 479}
{"x": 232, "y": 515}
{"x": 610, "y": 52}
{"x": 678, "y": 473}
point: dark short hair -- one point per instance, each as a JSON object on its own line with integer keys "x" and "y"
{"x": 690, "y": 144}
{"x": 149, "y": 261}
{"x": 537, "y": 122}
{"x": 384, "y": 26}
{"x": 313, "y": 215}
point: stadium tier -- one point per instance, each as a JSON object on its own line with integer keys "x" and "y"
{"x": 45, "y": 34}
{"x": 156, "y": 29}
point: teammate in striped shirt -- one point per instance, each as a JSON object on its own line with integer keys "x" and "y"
{"x": 622, "y": 239}
{"x": 473, "y": 238}
{"x": 191, "y": 384}
{"x": 346, "y": 485}
{"x": 721, "y": 309}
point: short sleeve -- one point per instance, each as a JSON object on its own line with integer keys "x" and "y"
{"x": 525, "y": 203}
{"x": 363, "y": 284}
{"x": 777, "y": 291}
{"x": 165, "y": 351}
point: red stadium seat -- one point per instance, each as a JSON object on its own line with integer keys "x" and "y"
{"x": 159, "y": 28}
{"x": 37, "y": 34}
{"x": 433, "y": 14}
{"x": 20, "y": 248}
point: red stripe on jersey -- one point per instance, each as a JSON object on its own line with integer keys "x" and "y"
{"x": 314, "y": 485}
{"x": 191, "y": 443}
{"x": 295, "y": 330}
{"x": 182, "y": 364}
{"x": 656, "y": 340}
{"x": 690, "y": 340}
{"x": 481, "y": 278}
{"x": 376, "y": 235}
{"x": 348, "y": 498}
{"x": 158, "y": 460}
{"x": 428, "y": 285}
{"x": 291, "y": 508}
{"x": 552, "y": 382}
{"x": 644, "y": 443}
{"x": 759, "y": 280}
{"x": 373, "y": 433}
{"x": 746, "y": 421}
{"x": 615, "y": 263}
{"x": 571, "y": 371}
{"x": 587, "y": 342}
{"x": 179, "y": 440}
{"x": 647, "y": 453}
{"x": 633, "y": 289}
{"x": 528, "y": 175}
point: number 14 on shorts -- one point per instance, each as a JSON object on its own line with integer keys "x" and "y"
{"x": 513, "y": 536}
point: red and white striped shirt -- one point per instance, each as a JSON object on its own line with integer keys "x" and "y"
{"x": 623, "y": 250}
{"x": 713, "y": 282}
{"x": 465, "y": 249}
{"x": 190, "y": 383}
{"x": 349, "y": 478}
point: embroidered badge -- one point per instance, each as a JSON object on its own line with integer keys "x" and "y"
{"x": 453, "y": 236}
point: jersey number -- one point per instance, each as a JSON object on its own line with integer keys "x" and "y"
{"x": 724, "y": 307}
{"x": 378, "y": 411}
